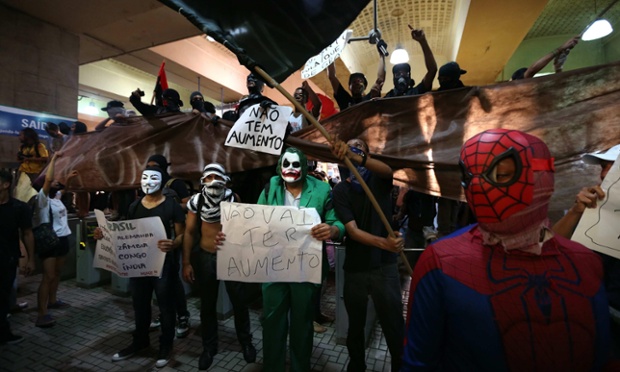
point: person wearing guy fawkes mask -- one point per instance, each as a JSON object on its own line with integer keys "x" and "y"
{"x": 170, "y": 99}
{"x": 155, "y": 204}
{"x": 255, "y": 95}
{"x": 370, "y": 266}
{"x": 200, "y": 264}
{"x": 404, "y": 85}
{"x": 292, "y": 187}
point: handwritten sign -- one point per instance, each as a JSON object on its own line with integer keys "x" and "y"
{"x": 269, "y": 244}
{"x": 598, "y": 228}
{"x": 259, "y": 129}
{"x": 129, "y": 248}
{"x": 328, "y": 55}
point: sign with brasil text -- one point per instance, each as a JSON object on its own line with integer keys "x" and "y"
{"x": 269, "y": 244}
{"x": 598, "y": 227}
{"x": 259, "y": 129}
{"x": 327, "y": 56}
{"x": 129, "y": 248}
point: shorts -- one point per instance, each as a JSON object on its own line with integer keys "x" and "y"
{"x": 60, "y": 251}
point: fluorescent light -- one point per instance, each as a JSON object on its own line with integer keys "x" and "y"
{"x": 399, "y": 55}
{"x": 600, "y": 28}
{"x": 210, "y": 38}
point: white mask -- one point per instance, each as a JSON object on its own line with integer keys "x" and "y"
{"x": 291, "y": 167}
{"x": 151, "y": 181}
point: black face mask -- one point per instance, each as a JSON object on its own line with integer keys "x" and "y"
{"x": 172, "y": 106}
{"x": 198, "y": 105}
{"x": 401, "y": 84}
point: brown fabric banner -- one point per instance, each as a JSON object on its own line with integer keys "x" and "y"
{"x": 420, "y": 137}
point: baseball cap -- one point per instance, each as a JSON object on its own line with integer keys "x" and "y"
{"x": 610, "y": 154}
{"x": 112, "y": 104}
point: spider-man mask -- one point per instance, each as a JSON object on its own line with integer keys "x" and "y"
{"x": 507, "y": 202}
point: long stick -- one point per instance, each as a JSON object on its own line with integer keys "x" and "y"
{"x": 347, "y": 161}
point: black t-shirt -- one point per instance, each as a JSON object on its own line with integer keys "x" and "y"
{"x": 412, "y": 91}
{"x": 354, "y": 205}
{"x": 14, "y": 215}
{"x": 180, "y": 187}
{"x": 169, "y": 211}
{"x": 345, "y": 100}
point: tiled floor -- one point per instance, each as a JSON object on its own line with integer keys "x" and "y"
{"x": 98, "y": 324}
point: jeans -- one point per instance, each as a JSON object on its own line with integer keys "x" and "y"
{"x": 8, "y": 271}
{"x": 141, "y": 293}
{"x": 205, "y": 270}
{"x": 383, "y": 286}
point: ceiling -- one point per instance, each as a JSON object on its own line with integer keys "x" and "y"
{"x": 481, "y": 35}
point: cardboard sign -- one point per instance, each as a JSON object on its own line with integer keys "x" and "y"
{"x": 259, "y": 129}
{"x": 328, "y": 55}
{"x": 269, "y": 244}
{"x": 599, "y": 228}
{"x": 129, "y": 248}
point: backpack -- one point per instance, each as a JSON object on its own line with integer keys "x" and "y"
{"x": 169, "y": 192}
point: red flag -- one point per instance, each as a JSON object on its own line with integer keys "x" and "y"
{"x": 160, "y": 85}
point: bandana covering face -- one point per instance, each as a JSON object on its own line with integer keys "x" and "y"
{"x": 512, "y": 213}
{"x": 213, "y": 192}
{"x": 365, "y": 173}
{"x": 151, "y": 181}
{"x": 291, "y": 167}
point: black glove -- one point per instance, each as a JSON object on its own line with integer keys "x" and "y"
{"x": 266, "y": 104}
{"x": 214, "y": 119}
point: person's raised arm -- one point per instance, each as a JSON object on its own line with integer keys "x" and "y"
{"x": 375, "y": 91}
{"x": 342, "y": 150}
{"x": 49, "y": 176}
{"x": 316, "y": 102}
{"x": 429, "y": 58}
{"x": 586, "y": 198}
{"x": 544, "y": 60}
{"x": 331, "y": 75}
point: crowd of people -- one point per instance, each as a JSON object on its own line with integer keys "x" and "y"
{"x": 510, "y": 292}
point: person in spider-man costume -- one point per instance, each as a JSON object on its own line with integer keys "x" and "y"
{"x": 506, "y": 294}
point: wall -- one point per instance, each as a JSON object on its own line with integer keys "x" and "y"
{"x": 611, "y": 47}
{"x": 38, "y": 70}
{"x": 586, "y": 53}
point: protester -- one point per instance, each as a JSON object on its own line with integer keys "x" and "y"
{"x": 32, "y": 153}
{"x": 49, "y": 209}
{"x": 78, "y": 127}
{"x": 199, "y": 264}
{"x": 255, "y": 87}
{"x": 199, "y": 105}
{"x": 15, "y": 222}
{"x": 558, "y": 56}
{"x": 56, "y": 139}
{"x": 292, "y": 187}
{"x": 116, "y": 112}
{"x": 370, "y": 266}
{"x": 298, "y": 121}
{"x": 170, "y": 99}
{"x": 155, "y": 204}
{"x": 450, "y": 76}
{"x": 507, "y": 294}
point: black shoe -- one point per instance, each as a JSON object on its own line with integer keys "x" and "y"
{"x": 11, "y": 339}
{"x": 127, "y": 352}
{"x": 205, "y": 361}
{"x": 163, "y": 357}
{"x": 249, "y": 353}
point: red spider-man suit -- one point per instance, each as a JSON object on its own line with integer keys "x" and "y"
{"x": 506, "y": 294}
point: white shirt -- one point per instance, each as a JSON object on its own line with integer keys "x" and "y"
{"x": 59, "y": 213}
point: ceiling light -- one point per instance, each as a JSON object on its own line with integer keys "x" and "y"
{"x": 600, "y": 28}
{"x": 210, "y": 38}
{"x": 399, "y": 55}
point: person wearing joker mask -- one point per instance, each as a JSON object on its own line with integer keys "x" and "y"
{"x": 281, "y": 301}
{"x": 507, "y": 294}
{"x": 200, "y": 259}
{"x": 155, "y": 204}
{"x": 370, "y": 266}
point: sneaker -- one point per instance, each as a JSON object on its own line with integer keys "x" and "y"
{"x": 18, "y": 307}
{"x": 163, "y": 357}
{"x": 182, "y": 326}
{"x": 45, "y": 321}
{"x": 127, "y": 352}
{"x": 155, "y": 324}
{"x": 58, "y": 305}
{"x": 318, "y": 328}
{"x": 205, "y": 361}
{"x": 11, "y": 339}
{"x": 429, "y": 233}
{"x": 249, "y": 353}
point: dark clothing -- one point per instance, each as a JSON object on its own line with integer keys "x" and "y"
{"x": 142, "y": 288}
{"x": 411, "y": 91}
{"x": 179, "y": 187}
{"x": 369, "y": 271}
{"x": 149, "y": 110}
{"x": 14, "y": 215}
{"x": 345, "y": 100}
{"x": 205, "y": 269}
{"x": 352, "y": 205}
{"x": 251, "y": 100}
